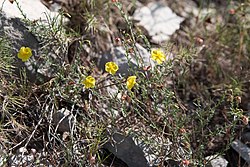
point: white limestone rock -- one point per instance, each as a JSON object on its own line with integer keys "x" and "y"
{"x": 32, "y": 9}
{"x": 216, "y": 161}
{"x": 159, "y": 20}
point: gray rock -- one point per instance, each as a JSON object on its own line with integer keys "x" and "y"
{"x": 216, "y": 161}
{"x": 18, "y": 35}
{"x": 39, "y": 68}
{"x": 242, "y": 149}
{"x": 128, "y": 63}
{"x": 245, "y": 138}
{"x": 63, "y": 121}
{"x": 124, "y": 148}
{"x": 159, "y": 21}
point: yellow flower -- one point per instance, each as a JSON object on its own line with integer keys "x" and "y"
{"x": 24, "y": 53}
{"x": 89, "y": 82}
{"x": 131, "y": 81}
{"x": 158, "y": 56}
{"x": 111, "y": 67}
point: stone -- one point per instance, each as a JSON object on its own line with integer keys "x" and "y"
{"x": 159, "y": 21}
{"x": 124, "y": 149}
{"x": 22, "y": 150}
{"x": 245, "y": 138}
{"x": 31, "y": 9}
{"x": 216, "y": 161}
{"x": 127, "y": 62}
{"x": 63, "y": 120}
{"x": 38, "y": 69}
{"x": 242, "y": 149}
{"x": 14, "y": 30}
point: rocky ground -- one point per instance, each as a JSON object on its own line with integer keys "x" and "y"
{"x": 183, "y": 23}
